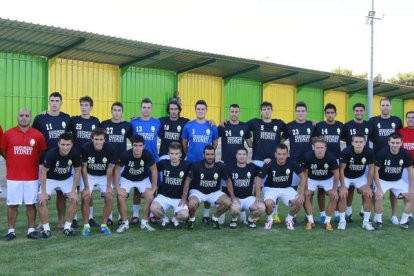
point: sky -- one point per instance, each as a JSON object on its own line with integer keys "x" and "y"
{"x": 312, "y": 34}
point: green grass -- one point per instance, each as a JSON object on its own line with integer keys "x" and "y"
{"x": 214, "y": 252}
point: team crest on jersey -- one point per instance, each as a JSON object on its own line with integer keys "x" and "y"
{"x": 141, "y": 163}
{"x": 326, "y": 166}
{"x": 287, "y": 172}
{"x": 152, "y": 128}
{"x": 207, "y": 131}
{"x": 123, "y": 131}
{"x": 63, "y": 125}
{"x": 202, "y": 176}
{"x": 69, "y": 162}
{"x": 364, "y": 161}
{"x": 338, "y": 130}
{"x": 181, "y": 174}
{"x": 57, "y": 163}
{"x": 401, "y": 162}
{"x": 215, "y": 176}
{"x": 275, "y": 128}
{"x": 351, "y": 160}
{"x": 366, "y": 131}
{"x": 249, "y": 175}
{"x": 241, "y": 133}
{"x": 93, "y": 127}
{"x": 379, "y": 125}
{"x": 178, "y": 128}
{"x": 393, "y": 125}
{"x": 308, "y": 130}
{"x": 104, "y": 160}
{"x": 32, "y": 142}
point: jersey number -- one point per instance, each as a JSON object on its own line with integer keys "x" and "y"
{"x": 314, "y": 166}
{"x": 228, "y": 132}
{"x": 295, "y": 131}
{"x": 387, "y": 162}
{"x": 91, "y": 159}
{"x": 49, "y": 127}
{"x": 109, "y": 130}
{"x": 324, "y": 131}
{"x": 235, "y": 175}
{"x": 78, "y": 126}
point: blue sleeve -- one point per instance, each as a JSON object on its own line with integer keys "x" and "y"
{"x": 185, "y": 134}
{"x": 214, "y": 135}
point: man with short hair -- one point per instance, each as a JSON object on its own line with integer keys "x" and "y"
{"x": 97, "y": 170}
{"x": 205, "y": 177}
{"x": 242, "y": 176}
{"x": 321, "y": 168}
{"x": 173, "y": 173}
{"x": 388, "y": 171}
{"x": 383, "y": 126}
{"x": 22, "y": 147}
{"x": 52, "y": 124}
{"x": 138, "y": 165}
{"x": 278, "y": 185}
{"x": 57, "y": 174}
{"x": 354, "y": 161}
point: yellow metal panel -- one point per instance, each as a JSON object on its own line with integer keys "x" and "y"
{"x": 74, "y": 79}
{"x": 408, "y": 106}
{"x": 376, "y": 111}
{"x": 283, "y": 99}
{"x": 340, "y": 100}
{"x": 194, "y": 87}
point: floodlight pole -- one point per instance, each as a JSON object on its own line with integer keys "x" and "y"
{"x": 371, "y": 71}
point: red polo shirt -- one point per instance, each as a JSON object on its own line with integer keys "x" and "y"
{"x": 408, "y": 139}
{"x": 23, "y": 153}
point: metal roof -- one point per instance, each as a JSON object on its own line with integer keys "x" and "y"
{"x": 47, "y": 41}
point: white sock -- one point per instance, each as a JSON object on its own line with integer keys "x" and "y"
{"x": 91, "y": 212}
{"x": 275, "y": 210}
{"x": 362, "y": 209}
{"x": 67, "y": 225}
{"x": 135, "y": 210}
{"x": 192, "y": 219}
{"x": 322, "y": 214}
{"x": 404, "y": 218}
{"x": 243, "y": 215}
{"x": 270, "y": 217}
{"x": 327, "y": 219}
{"x": 86, "y": 225}
{"x": 336, "y": 214}
{"x": 126, "y": 222}
{"x": 289, "y": 217}
{"x": 76, "y": 216}
{"x": 234, "y": 218}
{"x": 378, "y": 218}
{"x": 110, "y": 216}
{"x": 30, "y": 230}
{"x": 222, "y": 218}
{"x": 341, "y": 217}
{"x": 214, "y": 218}
{"x": 310, "y": 218}
{"x": 11, "y": 230}
{"x": 348, "y": 210}
{"x": 46, "y": 227}
{"x": 366, "y": 216}
{"x": 119, "y": 216}
{"x": 206, "y": 212}
{"x": 144, "y": 221}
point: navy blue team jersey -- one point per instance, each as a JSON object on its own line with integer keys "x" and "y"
{"x": 149, "y": 130}
{"x": 280, "y": 176}
{"x": 391, "y": 165}
{"x": 207, "y": 180}
{"x": 60, "y": 167}
{"x": 243, "y": 179}
{"x": 320, "y": 169}
{"x": 266, "y": 136}
{"x": 232, "y": 138}
{"x": 136, "y": 169}
{"x": 351, "y": 128}
{"x": 97, "y": 161}
{"x": 382, "y": 128}
{"x": 299, "y": 135}
{"x": 172, "y": 178}
{"x": 332, "y": 135}
{"x": 82, "y": 129}
{"x": 170, "y": 131}
{"x": 356, "y": 163}
{"x": 117, "y": 134}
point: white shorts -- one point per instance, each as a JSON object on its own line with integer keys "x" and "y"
{"x": 324, "y": 184}
{"x": 295, "y": 180}
{"x": 247, "y": 202}
{"x": 96, "y": 181}
{"x": 397, "y": 187}
{"x": 59, "y": 185}
{"x": 211, "y": 197}
{"x": 405, "y": 175}
{"x": 285, "y": 194}
{"x": 22, "y": 192}
{"x": 167, "y": 202}
{"x": 140, "y": 185}
{"x": 357, "y": 182}
{"x": 260, "y": 164}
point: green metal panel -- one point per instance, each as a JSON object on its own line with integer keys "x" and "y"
{"x": 23, "y": 83}
{"x": 138, "y": 83}
{"x": 313, "y": 97}
{"x": 354, "y": 98}
{"x": 247, "y": 94}
{"x": 398, "y": 108}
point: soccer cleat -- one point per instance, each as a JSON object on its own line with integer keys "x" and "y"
{"x": 268, "y": 224}
{"x": 33, "y": 235}
{"x": 310, "y": 225}
{"x": 109, "y": 222}
{"x": 251, "y": 223}
{"x": 245, "y": 221}
{"x": 328, "y": 226}
{"x": 322, "y": 220}
{"x": 164, "y": 225}
{"x": 134, "y": 220}
{"x": 394, "y": 220}
{"x": 410, "y": 218}
{"x": 368, "y": 226}
{"x": 119, "y": 221}
{"x": 233, "y": 224}
{"x": 294, "y": 220}
{"x": 147, "y": 227}
{"x": 105, "y": 229}
{"x": 289, "y": 225}
{"x": 85, "y": 231}
{"x": 45, "y": 234}
{"x": 74, "y": 224}
{"x": 276, "y": 218}
{"x": 205, "y": 220}
{"x": 404, "y": 225}
{"x": 93, "y": 223}
{"x": 190, "y": 224}
{"x": 215, "y": 223}
{"x": 348, "y": 218}
{"x": 122, "y": 228}
{"x": 10, "y": 236}
{"x": 377, "y": 225}
{"x": 342, "y": 225}
{"x": 69, "y": 232}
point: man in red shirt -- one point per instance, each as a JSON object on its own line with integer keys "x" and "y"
{"x": 22, "y": 147}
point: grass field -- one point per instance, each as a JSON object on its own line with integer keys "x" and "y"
{"x": 205, "y": 251}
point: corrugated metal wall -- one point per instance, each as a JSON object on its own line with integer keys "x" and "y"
{"x": 376, "y": 105}
{"x": 397, "y": 108}
{"x": 340, "y": 100}
{"x": 23, "y": 83}
{"x": 313, "y": 97}
{"x": 354, "y": 98}
{"x": 247, "y": 94}
{"x": 194, "y": 87}
{"x": 283, "y": 99}
{"x": 408, "y": 106}
{"x": 138, "y": 83}
{"x": 75, "y": 79}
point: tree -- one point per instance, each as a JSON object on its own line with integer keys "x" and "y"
{"x": 403, "y": 78}
{"x": 348, "y": 72}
